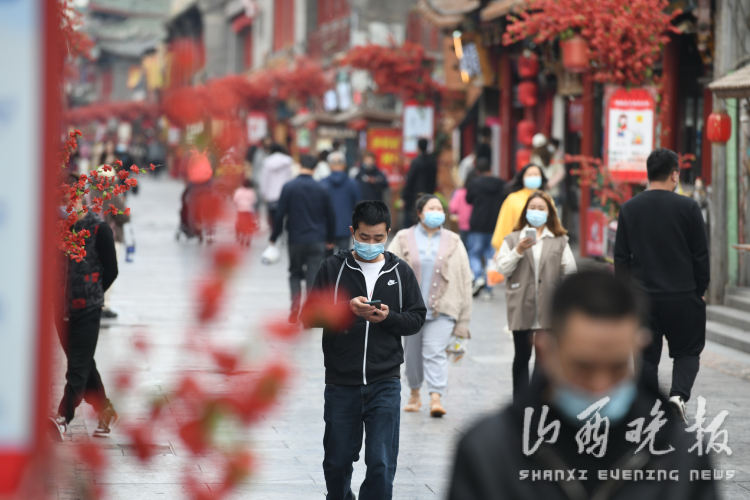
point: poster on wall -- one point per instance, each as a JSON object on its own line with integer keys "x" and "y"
{"x": 629, "y": 131}
{"x": 257, "y": 127}
{"x": 419, "y": 121}
{"x": 385, "y": 144}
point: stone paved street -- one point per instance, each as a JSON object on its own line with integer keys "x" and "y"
{"x": 153, "y": 296}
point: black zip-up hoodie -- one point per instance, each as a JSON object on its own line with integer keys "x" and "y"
{"x": 369, "y": 352}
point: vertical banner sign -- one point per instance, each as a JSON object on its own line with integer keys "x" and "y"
{"x": 495, "y": 128}
{"x": 596, "y": 232}
{"x": 419, "y": 121}
{"x": 25, "y": 269}
{"x": 385, "y": 144}
{"x": 629, "y": 131}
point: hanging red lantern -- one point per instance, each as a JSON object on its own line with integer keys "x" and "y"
{"x": 528, "y": 66}
{"x": 523, "y": 158}
{"x": 575, "y": 54}
{"x": 526, "y": 130}
{"x": 358, "y": 124}
{"x": 719, "y": 127}
{"x": 527, "y": 94}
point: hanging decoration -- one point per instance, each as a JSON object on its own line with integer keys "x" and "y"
{"x": 719, "y": 127}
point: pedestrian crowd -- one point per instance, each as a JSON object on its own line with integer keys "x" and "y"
{"x": 411, "y": 293}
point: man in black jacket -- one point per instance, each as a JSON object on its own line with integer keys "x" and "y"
{"x": 78, "y": 326}
{"x": 362, "y": 363}
{"x": 486, "y": 194}
{"x": 421, "y": 179}
{"x": 661, "y": 242}
{"x": 372, "y": 181}
{"x": 586, "y": 428}
{"x": 306, "y": 207}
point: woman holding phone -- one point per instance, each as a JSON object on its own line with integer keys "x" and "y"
{"x": 441, "y": 264}
{"x": 533, "y": 258}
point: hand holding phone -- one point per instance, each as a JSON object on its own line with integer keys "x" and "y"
{"x": 530, "y": 233}
{"x": 376, "y": 303}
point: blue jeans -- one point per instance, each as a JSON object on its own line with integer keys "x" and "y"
{"x": 349, "y": 410}
{"x": 480, "y": 247}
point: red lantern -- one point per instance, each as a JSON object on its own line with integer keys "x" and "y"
{"x": 199, "y": 168}
{"x": 526, "y": 130}
{"x": 527, "y": 94}
{"x": 358, "y": 124}
{"x": 575, "y": 54}
{"x": 719, "y": 127}
{"x": 523, "y": 158}
{"x": 528, "y": 66}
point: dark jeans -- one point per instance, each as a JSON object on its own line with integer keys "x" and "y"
{"x": 374, "y": 408}
{"x": 272, "y": 207}
{"x": 78, "y": 336}
{"x": 304, "y": 262}
{"x": 682, "y": 320}
{"x": 523, "y": 343}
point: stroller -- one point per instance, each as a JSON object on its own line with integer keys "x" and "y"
{"x": 191, "y": 225}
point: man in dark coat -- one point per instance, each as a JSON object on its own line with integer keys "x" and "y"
{"x": 372, "y": 181}
{"x": 661, "y": 243}
{"x": 78, "y": 323}
{"x": 586, "y": 428}
{"x": 421, "y": 179}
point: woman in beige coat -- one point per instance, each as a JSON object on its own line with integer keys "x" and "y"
{"x": 440, "y": 262}
{"x": 533, "y": 258}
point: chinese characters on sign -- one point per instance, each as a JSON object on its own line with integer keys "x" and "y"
{"x": 385, "y": 144}
{"x": 592, "y": 437}
{"x": 419, "y": 122}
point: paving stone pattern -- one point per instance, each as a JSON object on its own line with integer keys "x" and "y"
{"x": 154, "y": 297}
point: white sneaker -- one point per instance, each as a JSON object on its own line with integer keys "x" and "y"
{"x": 680, "y": 407}
{"x": 478, "y": 285}
{"x": 58, "y": 427}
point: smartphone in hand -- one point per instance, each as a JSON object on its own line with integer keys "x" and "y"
{"x": 375, "y": 303}
{"x": 531, "y": 234}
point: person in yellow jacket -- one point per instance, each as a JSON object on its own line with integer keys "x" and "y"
{"x": 529, "y": 179}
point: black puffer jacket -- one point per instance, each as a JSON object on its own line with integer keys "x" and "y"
{"x": 490, "y": 463}
{"x": 369, "y": 352}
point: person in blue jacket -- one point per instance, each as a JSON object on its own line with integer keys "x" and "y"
{"x": 345, "y": 194}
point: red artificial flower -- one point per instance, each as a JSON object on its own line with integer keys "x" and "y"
{"x": 227, "y": 257}
{"x": 282, "y": 328}
{"x": 322, "y": 311}
{"x": 91, "y": 454}
{"x": 227, "y": 362}
{"x": 195, "y": 435}
{"x": 210, "y": 294}
{"x": 252, "y": 396}
{"x": 141, "y": 440}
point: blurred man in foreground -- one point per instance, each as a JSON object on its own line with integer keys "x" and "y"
{"x": 586, "y": 428}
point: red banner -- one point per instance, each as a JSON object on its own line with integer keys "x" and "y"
{"x": 385, "y": 144}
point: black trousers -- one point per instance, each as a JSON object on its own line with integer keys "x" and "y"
{"x": 304, "y": 262}
{"x": 682, "y": 320}
{"x": 78, "y": 336}
{"x": 523, "y": 344}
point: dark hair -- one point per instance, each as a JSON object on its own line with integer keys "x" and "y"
{"x": 323, "y": 155}
{"x": 368, "y": 154}
{"x": 247, "y": 182}
{"x": 596, "y": 293}
{"x": 517, "y": 183}
{"x": 372, "y": 213}
{"x": 308, "y": 161}
{"x": 485, "y": 132}
{"x": 422, "y": 144}
{"x": 661, "y": 163}
{"x": 423, "y": 200}
{"x": 553, "y": 221}
{"x": 482, "y": 164}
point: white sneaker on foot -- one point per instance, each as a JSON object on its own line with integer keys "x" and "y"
{"x": 58, "y": 426}
{"x": 679, "y": 404}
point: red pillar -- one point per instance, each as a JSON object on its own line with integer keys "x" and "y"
{"x": 587, "y": 149}
{"x": 506, "y": 116}
{"x": 670, "y": 76}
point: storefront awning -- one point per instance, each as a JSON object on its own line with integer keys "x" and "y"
{"x": 733, "y": 85}
{"x": 446, "y": 13}
{"x": 498, "y": 8}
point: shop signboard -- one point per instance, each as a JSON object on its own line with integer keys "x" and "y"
{"x": 419, "y": 121}
{"x": 385, "y": 144}
{"x": 629, "y": 131}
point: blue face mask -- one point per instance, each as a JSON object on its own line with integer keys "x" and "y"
{"x": 368, "y": 251}
{"x": 572, "y": 402}
{"x": 536, "y": 218}
{"x": 433, "y": 219}
{"x": 532, "y": 182}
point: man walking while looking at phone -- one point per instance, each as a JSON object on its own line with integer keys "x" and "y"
{"x": 363, "y": 363}
{"x": 661, "y": 242}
